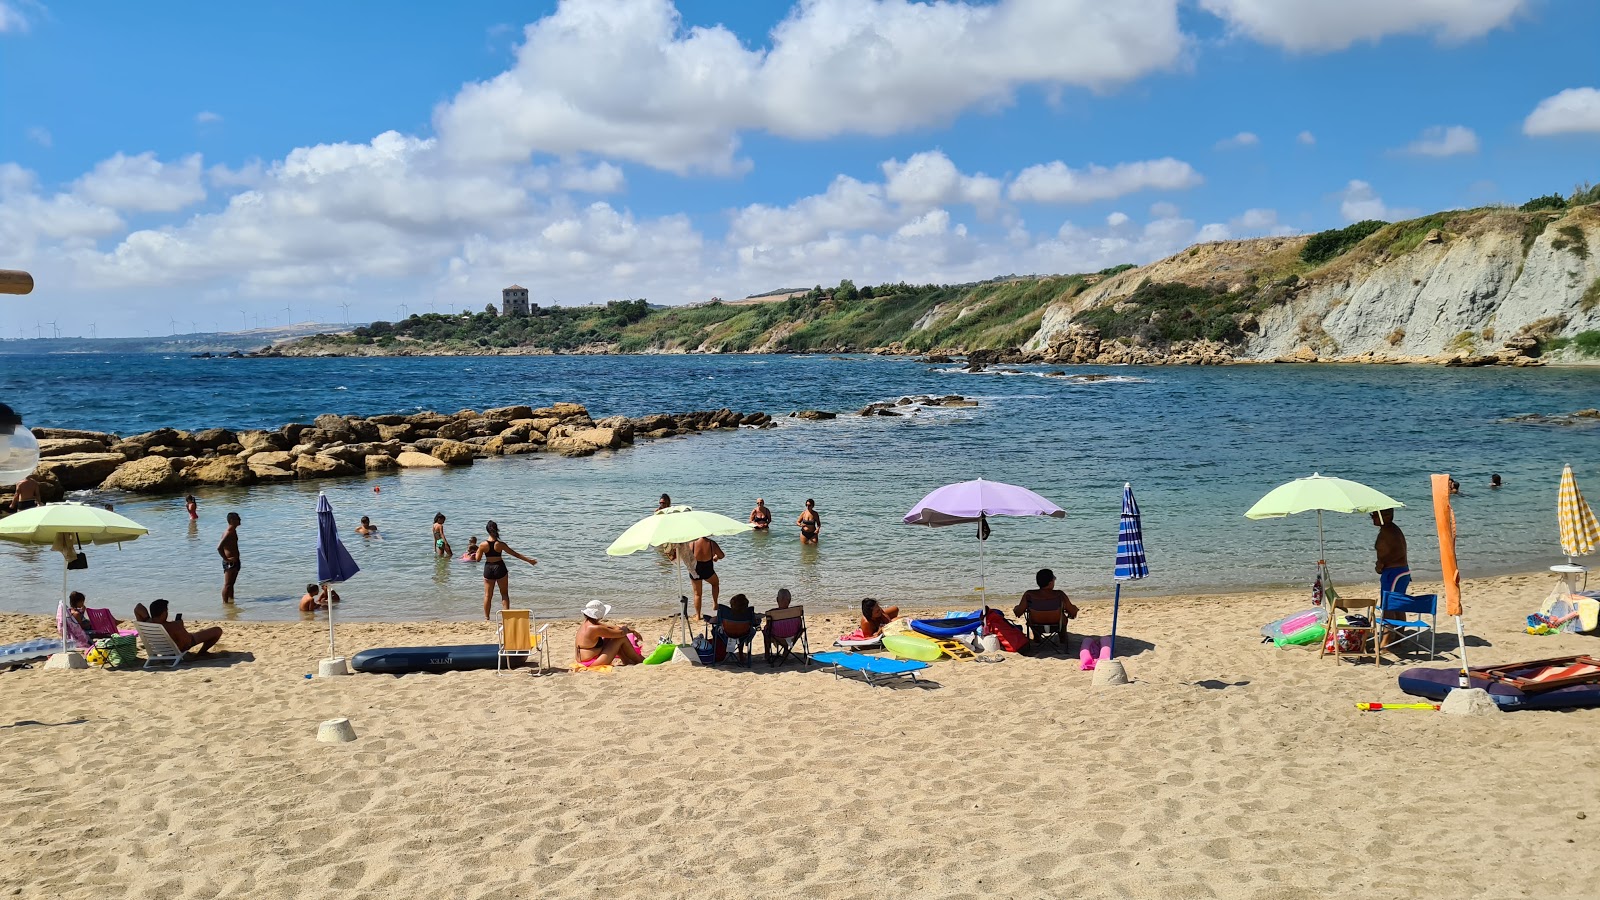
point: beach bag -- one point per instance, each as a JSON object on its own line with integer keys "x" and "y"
{"x": 1012, "y": 639}
{"x": 1353, "y": 640}
{"x": 118, "y": 651}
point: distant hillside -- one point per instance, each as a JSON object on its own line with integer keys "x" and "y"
{"x": 1487, "y": 285}
{"x": 204, "y": 342}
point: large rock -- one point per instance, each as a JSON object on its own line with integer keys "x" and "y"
{"x": 270, "y": 473}
{"x": 509, "y": 412}
{"x": 212, "y": 438}
{"x": 279, "y": 458}
{"x": 380, "y": 462}
{"x": 411, "y": 459}
{"x": 73, "y": 434}
{"x": 149, "y": 475}
{"x": 569, "y": 446}
{"x": 813, "y": 415}
{"x": 389, "y": 419}
{"x": 563, "y": 412}
{"x": 62, "y": 446}
{"x": 161, "y": 437}
{"x": 221, "y": 470}
{"x": 399, "y": 431}
{"x": 620, "y": 425}
{"x": 80, "y": 471}
{"x": 429, "y": 420}
{"x": 539, "y": 424}
{"x": 316, "y": 465}
{"x": 127, "y": 449}
{"x": 452, "y": 453}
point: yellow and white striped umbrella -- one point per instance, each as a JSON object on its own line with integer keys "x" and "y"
{"x": 1580, "y": 532}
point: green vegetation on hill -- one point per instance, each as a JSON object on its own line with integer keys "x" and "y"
{"x": 1325, "y": 245}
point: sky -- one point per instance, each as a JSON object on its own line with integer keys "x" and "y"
{"x": 201, "y": 166}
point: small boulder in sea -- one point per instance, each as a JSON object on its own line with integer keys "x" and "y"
{"x": 452, "y": 453}
{"x": 80, "y": 471}
{"x": 412, "y": 459}
{"x": 317, "y": 465}
{"x": 148, "y": 475}
{"x": 379, "y": 462}
{"x": 813, "y": 415}
{"x": 221, "y": 470}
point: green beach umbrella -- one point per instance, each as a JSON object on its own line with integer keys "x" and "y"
{"x": 64, "y": 526}
{"x": 674, "y": 525}
{"x": 1320, "y": 492}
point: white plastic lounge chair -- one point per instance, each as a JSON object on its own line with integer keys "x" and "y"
{"x": 875, "y": 670}
{"x": 159, "y": 646}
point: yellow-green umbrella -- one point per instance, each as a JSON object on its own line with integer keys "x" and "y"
{"x": 64, "y": 526}
{"x": 1580, "y": 532}
{"x": 1320, "y": 492}
{"x": 674, "y": 525}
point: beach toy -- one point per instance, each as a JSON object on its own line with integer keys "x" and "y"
{"x": 1296, "y": 628}
{"x": 376, "y": 489}
{"x": 911, "y": 646}
{"x": 1374, "y": 707}
{"x": 661, "y": 653}
{"x": 951, "y": 625}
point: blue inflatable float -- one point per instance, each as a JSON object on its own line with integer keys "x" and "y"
{"x": 406, "y": 660}
{"x": 1435, "y": 684}
{"x": 949, "y": 626}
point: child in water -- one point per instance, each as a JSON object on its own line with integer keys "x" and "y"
{"x": 471, "y": 553}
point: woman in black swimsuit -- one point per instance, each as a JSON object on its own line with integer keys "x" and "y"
{"x": 810, "y": 523}
{"x": 494, "y": 568}
{"x": 761, "y": 517}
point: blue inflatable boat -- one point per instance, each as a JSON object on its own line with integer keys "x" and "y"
{"x": 950, "y": 625}
{"x": 1436, "y": 683}
{"x": 407, "y": 660}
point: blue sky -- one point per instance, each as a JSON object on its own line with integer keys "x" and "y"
{"x": 215, "y": 163}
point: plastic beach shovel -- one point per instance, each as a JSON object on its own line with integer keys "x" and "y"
{"x": 1376, "y": 707}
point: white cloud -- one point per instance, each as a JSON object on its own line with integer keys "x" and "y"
{"x": 1441, "y": 140}
{"x": 1306, "y": 138}
{"x": 143, "y": 183}
{"x": 1573, "y": 111}
{"x": 207, "y": 117}
{"x": 625, "y": 79}
{"x": 1117, "y": 219}
{"x": 1238, "y": 141}
{"x": 1260, "y": 222}
{"x": 601, "y": 178}
{"x": 1320, "y": 26}
{"x": 12, "y": 21}
{"x": 930, "y": 179}
{"x": 41, "y": 136}
{"x": 847, "y": 205}
{"x": 1056, "y": 182}
{"x": 1359, "y": 201}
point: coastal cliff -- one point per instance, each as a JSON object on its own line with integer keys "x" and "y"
{"x": 1466, "y": 287}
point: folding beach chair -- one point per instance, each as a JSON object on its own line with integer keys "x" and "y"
{"x": 519, "y": 639}
{"x": 874, "y": 670}
{"x": 785, "y": 630}
{"x": 159, "y": 647}
{"x": 1342, "y": 608}
{"x": 1403, "y": 614}
{"x": 1049, "y": 620}
{"x": 736, "y": 635}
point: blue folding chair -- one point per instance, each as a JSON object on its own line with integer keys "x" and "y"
{"x": 1400, "y": 613}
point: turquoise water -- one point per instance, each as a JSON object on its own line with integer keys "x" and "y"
{"x": 1200, "y": 445}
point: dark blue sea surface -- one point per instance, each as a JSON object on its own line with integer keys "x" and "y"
{"x": 1199, "y": 445}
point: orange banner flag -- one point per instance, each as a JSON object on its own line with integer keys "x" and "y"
{"x": 1445, "y": 518}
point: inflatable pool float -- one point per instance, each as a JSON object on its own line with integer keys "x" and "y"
{"x": 660, "y": 654}
{"x": 1305, "y": 627}
{"x": 855, "y": 640}
{"x": 407, "y": 660}
{"x": 949, "y": 626}
{"x": 911, "y": 646}
{"x": 28, "y": 651}
{"x": 1435, "y": 684}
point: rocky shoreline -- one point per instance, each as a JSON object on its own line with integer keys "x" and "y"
{"x": 168, "y": 460}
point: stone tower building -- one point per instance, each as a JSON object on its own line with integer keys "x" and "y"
{"x": 514, "y": 301}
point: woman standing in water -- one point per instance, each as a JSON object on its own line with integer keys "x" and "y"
{"x": 494, "y": 568}
{"x": 810, "y": 523}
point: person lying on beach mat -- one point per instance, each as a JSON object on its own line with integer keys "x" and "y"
{"x": 874, "y": 617}
{"x": 599, "y": 644}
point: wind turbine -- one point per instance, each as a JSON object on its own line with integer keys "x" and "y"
{"x": 194, "y": 327}
{"x": 173, "y": 324}
{"x": 55, "y": 328}
{"x": 93, "y": 333}
{"x": 346, "y": 314}
{"x": 38, "y": 330}
{"x": 403, "y": 310}
{"x": 288, "y": 314}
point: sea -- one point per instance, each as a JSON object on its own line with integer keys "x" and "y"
{"x": 1198, "y": 445}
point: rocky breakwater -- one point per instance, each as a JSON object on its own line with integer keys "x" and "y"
{"x": 909, "y": 406}
{"x": 167, "y": 459}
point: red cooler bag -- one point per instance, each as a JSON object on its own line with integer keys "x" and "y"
{"x": 1012, "y": 638}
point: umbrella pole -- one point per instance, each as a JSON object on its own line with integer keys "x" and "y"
{"x": 331, "y": 653}
{"x": 1322, "y": 557}
{"x": 61, "y": 611}
{"x": 1116, "y": 607}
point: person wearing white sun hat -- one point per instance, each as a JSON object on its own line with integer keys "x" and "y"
{"x": 599, "y": 644}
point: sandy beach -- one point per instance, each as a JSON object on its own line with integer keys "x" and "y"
{"x": 1229, "y": 769}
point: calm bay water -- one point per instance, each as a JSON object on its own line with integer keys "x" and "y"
{"x": 1199, "y": 445}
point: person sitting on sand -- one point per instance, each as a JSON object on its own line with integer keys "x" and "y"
{"x": 761, "y": 517}
{"x": 186, "y": 640}
{"x": 875, "y": 616}
{"x": 366, "y": 527}
{"x": 599, "y": 644}
{"x": 1045, "y": 598}
{"x": 311, "y": 600}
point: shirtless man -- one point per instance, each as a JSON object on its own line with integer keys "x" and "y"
{"x": 761, "y": 517}
{"x": 599, "y": 644}
{"x": 228, "y": 549}
{"x": 704, "y": 553}
{"x": 810, "y": 523}
{"x": 27, "y": 496}
{"x": 186, "y": 640}
{"x": 366, "y": 528}
{"x": 1390, "y": 548}
{"x": 311, "y": 600}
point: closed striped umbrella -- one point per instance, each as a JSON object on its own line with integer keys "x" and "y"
{"x": 1130, "y": 555}
{"x": 1580, "y": 532}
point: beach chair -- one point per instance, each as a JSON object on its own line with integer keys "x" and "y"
{"x": 1047, "y": 620}
{"x": 159, "y": 647}
{"x": 519, "y": 639}
{"x": 785, "y": 630}
{"x": 874, "y": 670}
{"x": 1347, "y": 606}
{"x": 1402, "y": 614}
{"x": 737, "y": 635}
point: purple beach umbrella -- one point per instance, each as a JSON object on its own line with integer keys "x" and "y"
{"x": 976, "y": 501}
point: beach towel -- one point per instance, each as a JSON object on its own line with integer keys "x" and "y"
{"x": 74, "y": 632}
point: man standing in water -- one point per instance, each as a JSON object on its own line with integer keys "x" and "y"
{"x": 1390, "y": 548}
{"x": 228, "y": 549}
{"x": 704, "y": 553}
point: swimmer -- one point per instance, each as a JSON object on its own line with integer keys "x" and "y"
{"x": 761, "y": 517}
{"x": 366, "y": 527}
{"x": 441, "y": 547}
{"x": 810, "y": 523}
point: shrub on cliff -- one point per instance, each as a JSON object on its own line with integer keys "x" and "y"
{"x": 1326, "y": 245}
{"x": 1548, "y": 201}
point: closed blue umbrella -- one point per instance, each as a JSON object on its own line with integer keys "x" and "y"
{"x": 334, "y": 563}
{"x": 1130, "y": 555}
